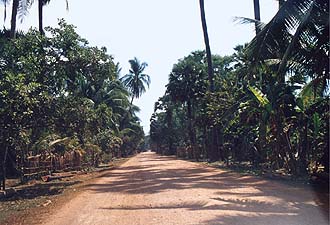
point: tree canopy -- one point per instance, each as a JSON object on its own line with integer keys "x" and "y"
{"x": 57, "y": 87}
{"x": 270, "y": 100}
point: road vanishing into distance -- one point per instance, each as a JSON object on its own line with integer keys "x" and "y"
{"x": 158, "y": 190}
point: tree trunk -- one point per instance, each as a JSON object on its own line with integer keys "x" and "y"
{"x": 40, "y": 13}
{"x": 13, "y": 18}
{"x": 207, "y": 46}
{"x": 4, "y": 162}
{"x": 325, "y": 157}
{"x": 262, "y": 137}
{"x": 256, "y": 14}
{"x": 213, "y": 147}
{"x": 262, "y": 125}
{"x": 170, "y": 128}
{"x": 192, "y": 134}
{"x": 304, "y": 148}
{"x": 204, "y": 149}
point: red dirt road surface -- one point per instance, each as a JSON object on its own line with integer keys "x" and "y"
{"x": 153, "y": 190}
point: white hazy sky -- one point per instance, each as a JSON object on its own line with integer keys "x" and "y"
{"x": 158, "y": 32}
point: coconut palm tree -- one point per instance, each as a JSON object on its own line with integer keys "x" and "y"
{"x": 297, "y": 36}
{"x": 213, "y": 152}
{"x": 296, "y": 44}
{"x": 136, "y": 80}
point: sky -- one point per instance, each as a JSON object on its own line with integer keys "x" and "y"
{"x": 158, "y": 32}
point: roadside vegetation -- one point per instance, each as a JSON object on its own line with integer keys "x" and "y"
{"x": 64, "y": 106}
{"x": 266, "y": 105}
{"x": 62, "y": 103}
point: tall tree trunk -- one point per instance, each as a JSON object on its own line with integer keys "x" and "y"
{"x": 191, "y": 128}
{"x": 262, "y": 138}
{"x": 207, "y": 46}
{"x": 304, "y": 149}
{"x": 213, "y": 147}
{"x": 170, "y": 129}
{"x": 325, "y": 158}
{"x": 40, "y": 14}
{"x": 256, "y": 14}
{"x": 262, "y": 125}
{"x": 14, "y": 18}
{"x": 4, "y": 164}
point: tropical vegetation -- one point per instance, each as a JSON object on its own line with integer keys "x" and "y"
{"x": 59, "y": 94}
{"x": 270, "y": 102}
{"x": 267, "y": 104}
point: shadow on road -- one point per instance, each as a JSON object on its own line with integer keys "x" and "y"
{"x": 156, "y": 175}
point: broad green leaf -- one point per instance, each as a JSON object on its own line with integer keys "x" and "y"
{"x": 262, "y": 98}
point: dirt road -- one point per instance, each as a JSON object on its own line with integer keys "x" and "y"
{"x": 152, "y": 190}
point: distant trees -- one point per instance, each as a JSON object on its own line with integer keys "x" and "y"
{"x": 134, "y": 82}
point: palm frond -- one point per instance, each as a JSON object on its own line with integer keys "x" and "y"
{"x": 275, "y": 36}
{"x": 245, "y": 20}
{"x": 293, "y": 41}
{"x": 135, "y": 80}
{"x": 23, "y": 8}
{"x": 5, "y": 2}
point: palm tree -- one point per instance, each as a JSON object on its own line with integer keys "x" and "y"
{"x": 214, "y": 154}
{"x": 296, "y": 42}
{"x": 136, "y": 80}
{"x": 256, "y": 14}
{"x": 300, "y": 28}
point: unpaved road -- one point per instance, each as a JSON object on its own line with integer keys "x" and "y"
{"x": 152, "y": 190}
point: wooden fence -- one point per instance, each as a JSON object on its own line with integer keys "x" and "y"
{"x": 43, "y": 164}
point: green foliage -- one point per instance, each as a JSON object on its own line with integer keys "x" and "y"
{"x": 58, "y": 94}
{"x": 263, "y": 100}
{"x": 136, "y": 80}
{"x": 257, "y": 117}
